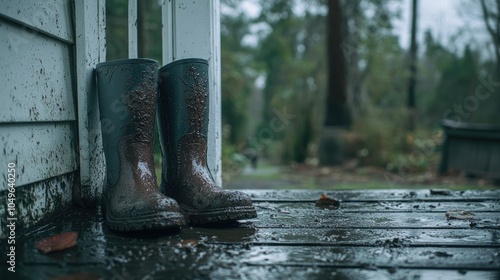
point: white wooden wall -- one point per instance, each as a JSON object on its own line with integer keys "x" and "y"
{"x": 38, "y": 117}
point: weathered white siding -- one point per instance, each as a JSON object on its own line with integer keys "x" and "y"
{"x": 50, "y": 17}
{"x": 36, "y": 78}
{"x": 38, "y": 129}
{"x": 41, "y": 150}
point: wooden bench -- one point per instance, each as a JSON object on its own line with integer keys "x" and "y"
{"x": 471, "y": 147}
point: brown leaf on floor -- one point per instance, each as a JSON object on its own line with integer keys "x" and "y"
{"x": 57, "y": 242}
{"x": 461, "y": 215}
{"x": 327, "y": 202}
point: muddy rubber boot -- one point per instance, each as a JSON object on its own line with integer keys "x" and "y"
{"x": 183, "y": 125}
{"x": 131, "y": 198}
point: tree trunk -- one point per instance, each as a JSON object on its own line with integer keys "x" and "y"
{"x": 352, "y": 34}
{"x": 492, "y": 22}
{"x": 497, "y": 39}
{"x": 142, "y": 38}
{"x": 336, "y": 113}
{"x": 337, "y": 116}
{"x": 413, "y": 68}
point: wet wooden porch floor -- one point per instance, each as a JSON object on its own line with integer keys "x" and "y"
{"x": 393, "y": 234}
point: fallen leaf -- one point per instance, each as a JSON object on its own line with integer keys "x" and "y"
{"x": 461, "y": 215}
{"x": 327, "y": 202}
{"x": 57, "y": 242}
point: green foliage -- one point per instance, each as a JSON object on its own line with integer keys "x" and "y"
{"x": 237, "y": 80}
{"x": 284, "y": 47}
{"x": 116, "y": 29}
{"x": 149, "y": 33}
{"x": 450, "y": 83}
{"x": 292, "y": 58}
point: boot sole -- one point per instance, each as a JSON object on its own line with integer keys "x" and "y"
{"x": 218, "y": 216}
{"x": 156, "y": 221}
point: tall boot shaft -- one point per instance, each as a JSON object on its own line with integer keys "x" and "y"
{"x": 131, "y": 199}
{"x": 183, "y": 124}
{"x": 183, "y": 99}
{"x": 127, "y": 99}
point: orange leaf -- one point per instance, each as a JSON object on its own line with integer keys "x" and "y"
{"x": 57, "y": 242}
{"x": 327, "y": 202}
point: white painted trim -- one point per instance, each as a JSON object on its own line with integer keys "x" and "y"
{"x": 191, "y": 29}
{"x": 215, "y": 126}
{"x": 90, "y": 21}
{"x": 132, "y": 29}
{"x": 167, "y": 21}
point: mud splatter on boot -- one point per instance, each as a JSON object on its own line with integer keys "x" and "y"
{"x": 183, "y": 125}
{"x": 127, "y": 102}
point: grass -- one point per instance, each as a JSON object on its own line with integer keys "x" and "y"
{"x": 277, "y": 178}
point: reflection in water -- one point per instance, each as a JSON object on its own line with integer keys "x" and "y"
{"x": 236, "y": 232}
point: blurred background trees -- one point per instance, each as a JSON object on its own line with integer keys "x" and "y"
{"x": 290, "y": 67}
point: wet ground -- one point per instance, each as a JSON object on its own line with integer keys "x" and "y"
{"x": 378, "y": 234}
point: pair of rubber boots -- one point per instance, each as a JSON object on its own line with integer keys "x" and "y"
{"x": 131, "y": 93}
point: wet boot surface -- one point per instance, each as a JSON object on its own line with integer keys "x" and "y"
{"x": 373, "y": 235}
{"x": 183, "y": 124}
{"x": 127, "y": 102}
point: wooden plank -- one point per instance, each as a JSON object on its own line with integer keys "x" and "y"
{"x": 346, "y": 237}
{"x": 36, "y": 78}
{"x": 132, "y": 29}
{"x": 37, "y": 201}
{"x": 40, "y": 151}
{"x": 287, "y": 272}
{"x": 372, "y": 195}
{"x": 50, "y": 17}
{"x": 482, "y": 259}
{"x": 171, "y": 248}
{"x": 148, "y": 270}
{"x": 90, "y": 23}
{"x": 191, "y": 29}
{"x": 248, "y": 234}
{"x": 377, "y": 257}
{"x": 339, "y": 219}
{"x": 386, "y": 206}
